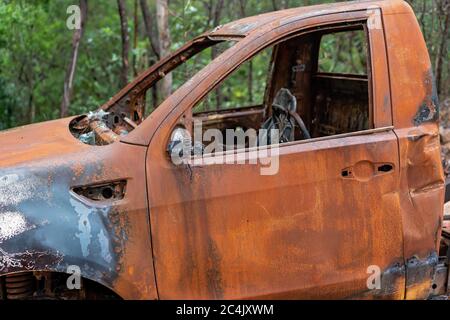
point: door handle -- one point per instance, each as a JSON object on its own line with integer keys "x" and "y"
{"x": 366, "y": 170}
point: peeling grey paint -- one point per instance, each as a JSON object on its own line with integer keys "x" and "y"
{"x": 104, "y": 244}
{"x": 44, "y": 227}
{"x": 12, "y": 224}
{"x": 15, "y": 189}
{"x": 84, "y": 225}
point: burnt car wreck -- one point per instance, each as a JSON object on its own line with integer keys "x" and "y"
{"x": 359, "y": 181}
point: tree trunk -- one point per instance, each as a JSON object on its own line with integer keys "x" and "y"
{"x": 422, "y": 19}
{"x": 162, "y": 19}
{"x": 242, "y": 5}
{"x": 135, "y": 37}
{"x": 148, "y": 22}
{"x": 442, "y": 49}
{"x": 208, "y": 5}
{"x": 31, "y": 105}
{"x": 71, "y": 67}
{"x": 216, "y": 21}
{"x": 274, "y": 5}
{"x": 125, "y": 42}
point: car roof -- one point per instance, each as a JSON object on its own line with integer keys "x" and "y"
{"x": 248, "y": 25}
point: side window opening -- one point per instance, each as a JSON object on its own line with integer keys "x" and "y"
{"x": 245, "y": 87}
{"x": 343, "y": 52}
{"x": 341, "y": 84}
{"x": 310, "y": 86}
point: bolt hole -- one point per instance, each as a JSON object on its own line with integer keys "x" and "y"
{"x": 434, "y": 286}
{"x": 107, "y": 193}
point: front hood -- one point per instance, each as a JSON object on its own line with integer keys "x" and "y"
{"x": 37, "y": 141}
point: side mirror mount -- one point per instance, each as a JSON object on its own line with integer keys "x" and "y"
{"x": 180, "y": 146}
{"x": 179, "y": 143}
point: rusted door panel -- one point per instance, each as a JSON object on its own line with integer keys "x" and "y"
{"x": 422, "y": 198}
{"x": 225, "y": 231}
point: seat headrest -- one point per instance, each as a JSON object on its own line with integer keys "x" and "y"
{"x": 285, "y": 100}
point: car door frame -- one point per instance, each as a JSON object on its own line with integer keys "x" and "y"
{"x": 218, "y": 70}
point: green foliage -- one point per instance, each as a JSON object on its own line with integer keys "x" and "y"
{"x": 432, "y": 17}
{"x": 236, "y": 91}
{"x": 343, "y": 53}
{"x": 28, "y": 77}
{"x": 35, "y": 47}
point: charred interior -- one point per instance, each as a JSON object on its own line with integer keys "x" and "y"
{"x": 320, "y": 93}
{"x": 327, "y": 99}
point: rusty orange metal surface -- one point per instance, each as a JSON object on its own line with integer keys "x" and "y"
{"x": 42, "y": 171}
{"x": 216, "y": 231}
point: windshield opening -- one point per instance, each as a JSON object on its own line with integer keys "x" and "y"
{"x": 135, "y": 102}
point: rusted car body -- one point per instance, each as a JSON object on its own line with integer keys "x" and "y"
{"x": 145, "y": 228}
